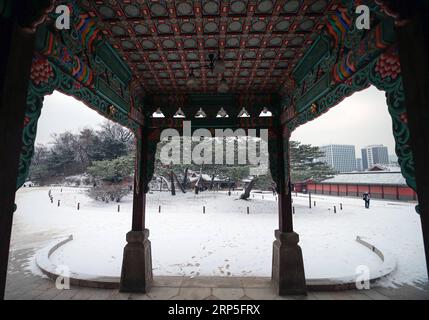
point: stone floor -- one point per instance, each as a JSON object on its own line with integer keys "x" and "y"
{"x": 22, "y": 284}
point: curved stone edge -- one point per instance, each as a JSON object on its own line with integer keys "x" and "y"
{"x": 349, "y": 282}
{"x": 50, "y": 269}
{"x": 313, "y": 284}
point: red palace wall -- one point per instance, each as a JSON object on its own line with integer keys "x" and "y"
{"x": 356, "y": 190}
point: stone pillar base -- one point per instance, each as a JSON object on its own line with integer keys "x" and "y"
{"x": 288, "y": 266}
{"x": 136, "y": 275}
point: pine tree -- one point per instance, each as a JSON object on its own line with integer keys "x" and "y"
{"x": 305, "y": 163}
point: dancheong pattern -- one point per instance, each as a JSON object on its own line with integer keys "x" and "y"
{"x": 304, "y": 56}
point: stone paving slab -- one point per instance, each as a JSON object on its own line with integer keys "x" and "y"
{"x": 220, "y": 282}
{"x": 163, "y": 293}
{"x": 24, "y": 285}
{"x": 228, "y": 293}
{"x": 193, "y": 294}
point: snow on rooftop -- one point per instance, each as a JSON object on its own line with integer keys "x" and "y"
{"x": 376, "y": 177}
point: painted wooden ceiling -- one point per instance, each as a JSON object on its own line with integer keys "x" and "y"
{"x": 261, "y": 41}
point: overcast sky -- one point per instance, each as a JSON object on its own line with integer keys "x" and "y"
{"x": 61, "y": 113}
{"x": 360, "y": 120}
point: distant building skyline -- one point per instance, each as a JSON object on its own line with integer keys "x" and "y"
{"x": 373, "y": 155}
{"x": 393, "y": 159}
{"x": 341, "y": 157}
{"x": 359, "y": 166}
{"x": 360, "y": 119}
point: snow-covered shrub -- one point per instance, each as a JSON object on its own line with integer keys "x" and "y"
{"x": 109, "y": 192}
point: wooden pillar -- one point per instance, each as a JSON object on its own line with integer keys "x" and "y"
{"x": 285, "y": 192}
{"x": 136, "y": 275}
{"x": 139, "y": 194}
{"x": 288, "y": 267}
{"x": 413, "y": 42}
{"x": 15, "y": 64}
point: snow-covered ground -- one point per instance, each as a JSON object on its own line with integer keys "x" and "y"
{"x": 225, "y": 241}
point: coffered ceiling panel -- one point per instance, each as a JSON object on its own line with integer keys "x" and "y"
{"x": 261, "y": 41}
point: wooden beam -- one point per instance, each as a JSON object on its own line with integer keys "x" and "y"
{"x": 288, "y": 275}
{"x": 209, "y": 123}
{"x": 285, "y": 192}
{"x": 136, "y": 274}
{"x": 15, "y": 64}
{"x": 139, "y": 196}
{"x": 413, "y": 41}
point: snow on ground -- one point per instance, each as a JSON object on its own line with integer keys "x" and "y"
{"x": 225, "y": 241}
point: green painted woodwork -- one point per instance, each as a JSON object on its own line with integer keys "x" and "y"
{"x": 217, "y": 123}
{"x": 356, "y": 60}
{"x": 86, "y": 55}
{"x": 315, "y": 92}
{"x": 211, "y": 100}
{"x": 112, "y": 60}
{"x": 392, "y": 85}
{"x": 5, "y": 8}
{"x": 78, "y": 63}
{"x": 56, "y": 79}
{"x": 343, "y": 60}
{"x": 106, "y": 91}
{"x": 317, "y": 52}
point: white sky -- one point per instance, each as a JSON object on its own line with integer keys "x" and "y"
{"x": 360, "y": 120}
{"x": 61, "y": 113}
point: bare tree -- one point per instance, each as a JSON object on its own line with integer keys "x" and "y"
{"x": 173, "y": 189}
{"x": 246, "y": 194}
{"x": 178, "y": 182}
{"x": 116, "y": 132}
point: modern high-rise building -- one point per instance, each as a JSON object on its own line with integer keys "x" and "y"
{"x": 359, "y": 166}
{"x": 374, "y": 154}
{"x": 341, "y": 157}
{"x": 393, "y": 159}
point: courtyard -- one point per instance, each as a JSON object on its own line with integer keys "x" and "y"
{"x": 208, "y": 246}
